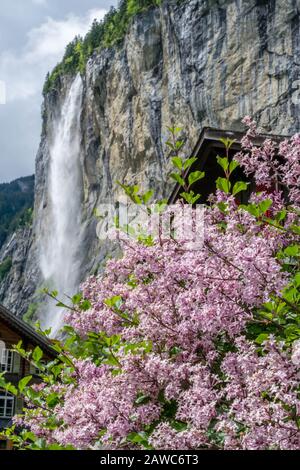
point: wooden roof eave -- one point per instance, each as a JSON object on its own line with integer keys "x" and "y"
{"x": 26, "y": 331}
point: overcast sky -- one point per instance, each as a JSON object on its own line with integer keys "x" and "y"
{"x": 33, "y": 36}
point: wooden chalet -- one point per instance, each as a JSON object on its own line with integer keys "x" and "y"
{"x": 13, "y": 330}
{"x": 208, "y": 147}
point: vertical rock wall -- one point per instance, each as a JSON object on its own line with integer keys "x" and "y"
{"x": 196, "y": 63}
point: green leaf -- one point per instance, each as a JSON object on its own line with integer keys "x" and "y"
{"x": 178, "y": 178}
{"x": 224, "y": 185}
{"x": 223, "y": 207}
{"x": 177, "y": 162}
{"x": 24, "y": 382}
{"x": 227, "y": 142}
{"x": 29, "y": 436}
{"x": 175, "y": 350}
{"x": 190, "y": 197}
{"x": 20, "y": 350}
{"x": 179, "y": 425}
{"x": 292, "y": 250}
{"x": 297, "y": 280}
{"x": 40, "y": 444}
{"x": 295, "y": 229}
{"x": 142, "y": 399}
{"x": 115, "y": 301}
{"x": 189, "y": 162}
{"x": 251, "y": 208}
{"x": 238, "y": 187}
{"x": 174, "y": 130}
{"x": 265, "y": 205}
{"x": 147, "y": 196}
{"x": 223, "y": 162}
{"x": 261, "y": 338}
{"x": 179, "y": 144}
{"x": 11, "y": 389}
{"x": 56, "y": 370}
{"x": 52, "y": 400}
{"x": 85, "y": 305}
{"x": 56, "y": 345}
{"x": 170, "y": 144}
{"x": 131, "y": 192}
{"x": 195, "y": 176}
{"x": 77, "y": 298}
{"x": 292, "y": 332}
{"x": 281, "y": 215}
{"x": 138, "y": 438}
{"x": 7, "y": 386}
{"x": 37, "y": 354}
{"x": 233, "y": 165}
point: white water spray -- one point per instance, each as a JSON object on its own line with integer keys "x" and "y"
{"x": 60, "y": 242}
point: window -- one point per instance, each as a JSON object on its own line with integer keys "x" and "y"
{"x": 6, "y": 360}
{"x": 35, "y": 370}
{"x": 6, "y": 404}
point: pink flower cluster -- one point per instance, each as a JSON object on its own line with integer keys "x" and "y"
{"x": 264, "y": 399}
{"x": 185, "y": 375}
{"x": 272, "y": 170}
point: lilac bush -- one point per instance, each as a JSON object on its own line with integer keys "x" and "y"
{"x": 173, "y": 348}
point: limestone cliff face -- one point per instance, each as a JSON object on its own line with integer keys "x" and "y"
{"x": 196, "y": 63}
{"x": 17, "y": 248}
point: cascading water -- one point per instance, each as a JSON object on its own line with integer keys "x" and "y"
{"x": 60, "y": 243}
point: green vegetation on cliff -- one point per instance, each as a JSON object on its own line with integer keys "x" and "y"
{"x": 16, "y": 203}
{"x": 108, "y": 32}
{"x": 5, "y": 267}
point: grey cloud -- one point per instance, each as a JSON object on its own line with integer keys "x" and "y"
{"x": 25, "y": 28}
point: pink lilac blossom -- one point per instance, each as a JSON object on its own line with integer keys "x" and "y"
{"x": 189, "y": 305}
{"x": 258, "y": 387}
{"x": 296, "y": 353}
{"x": 271, "y": 168}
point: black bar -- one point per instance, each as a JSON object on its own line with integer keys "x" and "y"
{"x": 135, "y": 459}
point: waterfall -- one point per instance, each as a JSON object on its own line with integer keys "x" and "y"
{"x": 60, "y": 257}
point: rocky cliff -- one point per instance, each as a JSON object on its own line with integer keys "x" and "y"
{"x": 195, "y": 63}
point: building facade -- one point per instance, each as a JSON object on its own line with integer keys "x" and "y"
{"x": 12, "y": 331}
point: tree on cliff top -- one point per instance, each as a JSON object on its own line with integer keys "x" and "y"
{"x": 105, "y": 33}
